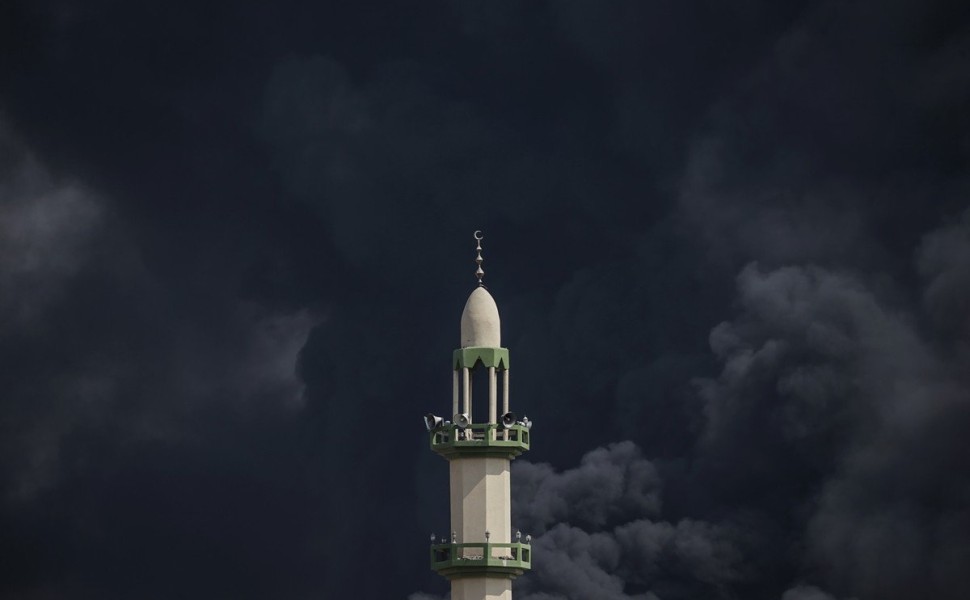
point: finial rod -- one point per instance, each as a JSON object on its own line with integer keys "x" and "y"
{"x": 478, "y": 259}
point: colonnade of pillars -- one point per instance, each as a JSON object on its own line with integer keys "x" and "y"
{"x": 462, "y": 390}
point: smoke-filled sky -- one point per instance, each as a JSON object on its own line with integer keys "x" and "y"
{"x": 729, "y": 241}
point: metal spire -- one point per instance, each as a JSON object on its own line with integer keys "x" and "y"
{"x": 478, "y": 260}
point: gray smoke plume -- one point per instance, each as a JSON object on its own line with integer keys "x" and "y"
{"x": 806, "y": 592}
{"x": 844, "y": 409}
{"x": 106, "y": 377}
{"x": 610, "y": 485}
{"x": 598, "y": 533}
{"x": 835, "y": 414}
{"x": 199, "y": 188}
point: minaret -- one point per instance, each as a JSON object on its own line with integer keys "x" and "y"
{"x": 481, "y": 556}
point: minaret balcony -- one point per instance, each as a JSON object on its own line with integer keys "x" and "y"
{"x": 481, "y": 440}
{"x": 505, "y": 560}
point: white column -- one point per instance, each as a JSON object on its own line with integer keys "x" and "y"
{"x": 492, "y": 396}
{"x": 505, "y": 399}
{"x": 505, "y": 391}
{"x": 467, "y": 391}
{"x": 454, "y": 395}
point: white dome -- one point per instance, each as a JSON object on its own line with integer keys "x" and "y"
{"x": 480, "y": 325}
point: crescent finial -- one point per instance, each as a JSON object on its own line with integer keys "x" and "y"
{"x": 478, "y": 259}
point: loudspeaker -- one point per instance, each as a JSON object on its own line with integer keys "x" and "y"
{"x": 525, "y": 422}
{"x": 432, "y": 422}
{"x": 507, "y": 420}
{"x": 461, "y": 421}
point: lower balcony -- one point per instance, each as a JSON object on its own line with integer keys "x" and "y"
{"x": 505, "y": 560}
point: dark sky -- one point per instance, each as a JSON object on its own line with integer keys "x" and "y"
{"x": 729, "y": 241}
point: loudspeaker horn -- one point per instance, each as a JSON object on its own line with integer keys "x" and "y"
{"x": 461, "y": 421}
{"x": 507, "y": 420}
{"x": 433, "y": 422}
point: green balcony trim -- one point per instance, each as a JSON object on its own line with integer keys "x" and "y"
{"x": 481, "y": 440}
{"x": 487, "y": 356}
{"x": 449, "y": 560}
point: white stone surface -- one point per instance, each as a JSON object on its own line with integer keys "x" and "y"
{"x": 480, "y": 502}
{"x": 480, "y": 324}
{"x": 480, "y": 499}
{"x": 481, "y": 588}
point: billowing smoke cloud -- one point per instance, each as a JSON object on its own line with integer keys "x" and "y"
{"x": 944, "y": 263}
{"x": 805, "y": 592}
{"x": 610, "y": 484}
{"x": 601, "y": 536}
{"x": 826, "y": 455}
{"x": 835, "y": 416}
{"x": 598, "y": 533}
{"x": 843, "y": 412}
{"x": 791, "y": 170}
{"x": 374, "y": 159}
{"x": 46, "y": 230}
{"x": 107, "y": 378}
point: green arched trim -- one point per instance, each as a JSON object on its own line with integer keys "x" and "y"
{"x": 490, "y": 357}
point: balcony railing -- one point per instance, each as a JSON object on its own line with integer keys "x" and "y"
{"x": 507, "y": 560}
{"x": 482, "y": 439}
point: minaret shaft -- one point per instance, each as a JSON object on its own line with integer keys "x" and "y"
{"x": 481, "y": 589}
{"x": 480, "y": 499}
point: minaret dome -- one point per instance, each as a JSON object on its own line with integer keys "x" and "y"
{"x": 480, "y": 325}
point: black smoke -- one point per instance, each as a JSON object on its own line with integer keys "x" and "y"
{"x": 730, "y": 244}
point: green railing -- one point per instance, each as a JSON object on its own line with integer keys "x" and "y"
{"x": 506, "y": 560}
{"x": 482, "y": 439}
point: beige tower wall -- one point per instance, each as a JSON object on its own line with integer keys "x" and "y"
{"x": 481, "y": 588}
{"x": 480, "y": 499}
